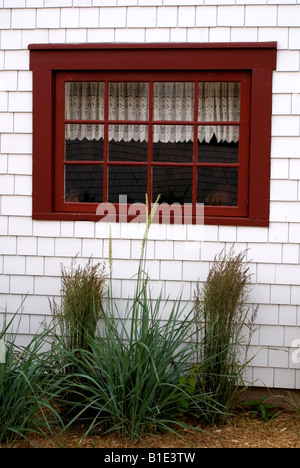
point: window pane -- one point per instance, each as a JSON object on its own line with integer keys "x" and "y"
{"x": 172, "y": 133}
{"x": 219, "y": 101}
{"x": 218, "y": 144}
{"x": 128, "y": 101}
{"x": 128, "y": 143}
{"x": 84, "y": 100}
{"x": 173, "y": 101}
{"x": 173, "y": 143}
{"x": 84, "y": 183}
{"x": 221, "y": 133}
{"x": 173, "y": 184}
{"x": 127, "y": 180}
{"x": 84, "y": 142}
{"x": 217, "y": 186}
{"x": 128, "y": 151}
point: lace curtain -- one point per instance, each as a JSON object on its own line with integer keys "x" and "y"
{"x": 217, "y": 101}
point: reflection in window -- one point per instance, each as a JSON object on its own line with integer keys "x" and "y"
{"x": 128, "y": 143}
{"x": 173, "y": 143}
{"x": 84, "y": 142}
{"x": 218, "y": 151}
{"x": 173, "y": 152}
{"x": 128, "y": 151}
{"x": 84, "y": 150}
{"x": 127, "y": 180}
{"x": 173, "y": 184}
{"x": 217, "y": 186}
{"x": 84, "y": 183}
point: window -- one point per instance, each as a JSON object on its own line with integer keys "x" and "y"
{"x": 190, "y": 123}
{"x": 175, "y": 139}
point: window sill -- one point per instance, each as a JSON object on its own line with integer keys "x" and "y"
{"x": 208, "y": 220}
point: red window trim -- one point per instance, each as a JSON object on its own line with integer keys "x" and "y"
{"x": 258, "y": 60}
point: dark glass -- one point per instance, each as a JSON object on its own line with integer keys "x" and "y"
{"x": 173, "y": 184}
{"x": 128, "y": 143}
{"x": 224, "y": 149}
{"x": 84, "y": 150}
{"x": 84, "y": 142}
{"x": 217, "y": 186}
{"x": 127, "y": 180}
{"x": 173, "y": 143}
{"x": 84, "y": 183}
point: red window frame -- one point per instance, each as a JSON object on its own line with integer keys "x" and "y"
{"x": 250, "y": 64}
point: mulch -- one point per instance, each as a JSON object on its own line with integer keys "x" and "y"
{"x": 240, "y": 431}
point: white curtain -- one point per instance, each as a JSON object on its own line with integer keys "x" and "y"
{"x": 171, "y": 102}
{"x": 219, "y": 102}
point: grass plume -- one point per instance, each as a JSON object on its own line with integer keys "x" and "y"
{"x": 82, "y": 296}
{"x": 221, "y": 307}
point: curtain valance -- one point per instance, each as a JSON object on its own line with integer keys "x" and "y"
{"x": 172, "y": 101}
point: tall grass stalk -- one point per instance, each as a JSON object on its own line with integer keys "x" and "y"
{"x": 135, "y": 379}
{"x": 132, "y": 380}
{"x": 221, "y": 307}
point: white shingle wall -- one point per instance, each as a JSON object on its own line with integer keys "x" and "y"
{"x": 31, "y": 251}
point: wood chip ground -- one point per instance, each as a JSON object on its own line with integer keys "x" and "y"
{"x": 241, "y": 431}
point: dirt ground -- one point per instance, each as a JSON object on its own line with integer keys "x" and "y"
{"x": 241, "y": 431}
